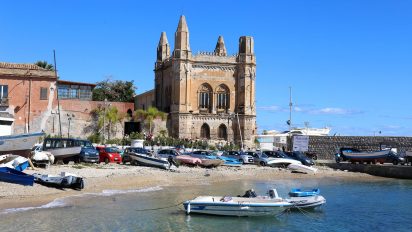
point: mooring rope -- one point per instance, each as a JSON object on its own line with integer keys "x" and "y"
{"x": 159, "y": 208}
{"x": 307, "y": 213}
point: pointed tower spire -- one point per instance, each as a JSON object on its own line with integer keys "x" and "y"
{"x": 182, "y": 47}
{"x": 220, "y": 49}
{"x": 163, "y": 49}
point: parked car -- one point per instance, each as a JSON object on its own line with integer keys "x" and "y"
{"x": 298, "y": 155}
{"x": 241, "y": 156}
{"x": 88, "y": 153}
{"x": 109, "y": 155}
{"x": 126, "y": 154}
{"x": 259, "y": 158}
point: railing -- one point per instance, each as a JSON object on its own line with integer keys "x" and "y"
{"x": 4, "y": 102}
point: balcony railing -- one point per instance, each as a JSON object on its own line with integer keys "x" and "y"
{"x": 4, "y": 102}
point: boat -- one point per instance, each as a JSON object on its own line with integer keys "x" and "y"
{"x": 354, "y": 155}
{"x": 208, "y": 160}
{"x": 64, "y": 180}
{"x": 208, "y": 163}
{"x": 20, "y": 144}
{"x": 17, "y": 162}
{"x": 302, "y": 168}
{"x": 231, "y": 162}
{"x": 16, "y": 177}
{"x": 186, "y": 159}
{"x": 283, "y": 162}
{"x": 151, "y": 160}
{"x": 304, "y": 193}
{"x": 308, "y": 202}
{"x": 237, "y": 206}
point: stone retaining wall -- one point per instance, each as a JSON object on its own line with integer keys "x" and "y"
{"x": 326, "y": 146}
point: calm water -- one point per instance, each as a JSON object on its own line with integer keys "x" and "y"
{"x": 351, "y": 206}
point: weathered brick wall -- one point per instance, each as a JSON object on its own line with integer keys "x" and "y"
{"x": 326, "y": 146}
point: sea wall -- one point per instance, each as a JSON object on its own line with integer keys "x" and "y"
{"x": 326, "y": 146}
{"x": 391, "y": 171}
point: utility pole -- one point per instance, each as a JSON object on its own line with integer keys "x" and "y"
{"x": 57, "y": 93}
{"x": 104, "y": 119}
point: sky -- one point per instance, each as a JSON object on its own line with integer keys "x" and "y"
{"x": 347, "y": 62}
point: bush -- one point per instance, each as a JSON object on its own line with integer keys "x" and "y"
{"x": 95, "y": 138}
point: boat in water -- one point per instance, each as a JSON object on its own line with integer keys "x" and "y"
{"x": 308, "y": 202}
{"x": 303, "y": 193}
{"x": 20, "y": 144}
{"x": 247, "y": 205}
{"x": 14, "y": 176}
{"x": 64, "y": 180}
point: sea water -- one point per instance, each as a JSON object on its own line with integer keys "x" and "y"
{"x": 382, "y": 205}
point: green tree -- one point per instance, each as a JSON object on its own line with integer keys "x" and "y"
{"x": 107, "y": 119}
{"x": 116, "y": 91}
{"x": 45, "y": 65}
{"x": 149, "y": 116}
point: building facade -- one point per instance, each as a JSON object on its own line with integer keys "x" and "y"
{"x": 28, "y": 103}
{"x": 208, "y": 95}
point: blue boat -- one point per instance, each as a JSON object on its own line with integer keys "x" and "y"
{"x": 230, "y": 161}
{"x": 304, "y": 193}
{"x": 16, "y": 177}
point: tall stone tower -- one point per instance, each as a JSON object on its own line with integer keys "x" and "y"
{"x": 209, "y": 95}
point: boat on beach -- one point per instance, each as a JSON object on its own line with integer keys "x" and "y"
{"x": 237, "y": 206}
{"x": 208, "y": 160}
{"x": 17, "y": 162}
{"x": 20, "y": 144}
{"x": 302, "y": 168}
{"x": 150, "y": 160}
{"x": 16, "y": 177}
{"x": 64, "y": 180}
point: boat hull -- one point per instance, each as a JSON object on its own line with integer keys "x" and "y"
{"x": 62, "y": 153}
{"x": 149, "y": 161}
{"x": 235, "y": 208}
{"x": 19, "y": 144}
{"x": 16, "y": 177}
{"x": 211, "y": 162}
{"x": 309, "y": 202}
{"x": 302, "y": 168}
{"x": 366, "y": 155}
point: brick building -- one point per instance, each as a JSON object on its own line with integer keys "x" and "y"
{"x": 28, "y": 103}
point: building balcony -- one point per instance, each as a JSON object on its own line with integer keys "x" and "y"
{"x": 4, "y": 102}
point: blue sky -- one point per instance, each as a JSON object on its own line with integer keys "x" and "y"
{"x": 349, "y": 62}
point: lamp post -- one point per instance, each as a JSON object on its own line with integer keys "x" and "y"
{"x": 69, "y": 118}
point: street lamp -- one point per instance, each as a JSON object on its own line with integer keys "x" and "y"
{"x": 69, "y": 118}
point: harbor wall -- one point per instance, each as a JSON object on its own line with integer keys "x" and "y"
{"x": 326, "y": 146}
{"x": 391, "y": 171}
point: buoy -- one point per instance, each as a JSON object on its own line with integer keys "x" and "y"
{"x": 188, "y": 208}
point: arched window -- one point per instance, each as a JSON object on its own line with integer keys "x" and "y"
{"x": 205, "y": 97}
{"x": 222, "y": 132}
{"x": 222, "y": 98}
{"x": 205, "y": 131}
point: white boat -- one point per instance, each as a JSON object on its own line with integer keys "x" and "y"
{"x": 20, "y": 144}
{"x": 309, "y": 202}
{"x": 237, "y": 206}
{"x": 302, "y": 168}
{"x": 17, "y": 162}
{"x": 281, "y": 162}
{"x": 149, "y": 160}
{"x": 64, "y": 180}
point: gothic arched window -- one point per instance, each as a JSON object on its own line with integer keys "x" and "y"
{"x": 222, "y": 132}
{"x": 205, "y": 131}
{"x": 205, "y": 97}
{"x": 222, "y": 98}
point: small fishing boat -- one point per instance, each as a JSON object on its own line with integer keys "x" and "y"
{"x": 208, "y": 160}
{"x": 186, "y": 159}
{"x": 302, "y": 168}
{"x": 308, "y": 202}
{"x": 17, "y": 162}
{"x": 304, "y": 193}
{"x": 354, "y": 155}
{"x": 16, "y": 177}
{"x": 281, "y": 162}
{"x": 151, "y": 160}
{"x": 231, "y": 162}
{"x": 237, "y": 206}
{"x": 20, "y": 144}
{"x": 64, "y": 180}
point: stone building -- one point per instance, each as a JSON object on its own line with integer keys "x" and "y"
{"x": 208, "y": 95}
{"x": 28, "y": 103}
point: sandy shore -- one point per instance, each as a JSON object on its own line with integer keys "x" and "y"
{"x": 122, "y": 177}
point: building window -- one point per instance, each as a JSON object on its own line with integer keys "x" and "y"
{"x": 205, "y": 94}
{"x": 222, "y": 97}
{"x": 75, "y": 92}
{"x": 44, "y": 93}
{"x": 222, "y": 132}
{"x": 4, "y": 91}
{"x": 85, "y": 92}
{"x": 205, "y": 131}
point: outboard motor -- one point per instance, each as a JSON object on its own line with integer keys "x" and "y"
{"x": 273, "y": 194}
{"x": 250, "y": 193}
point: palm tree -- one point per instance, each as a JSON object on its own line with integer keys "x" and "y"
{"x": 45, "y": 65}
{"x": 149, "y": 116}
{"x": 109, "y": 116}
